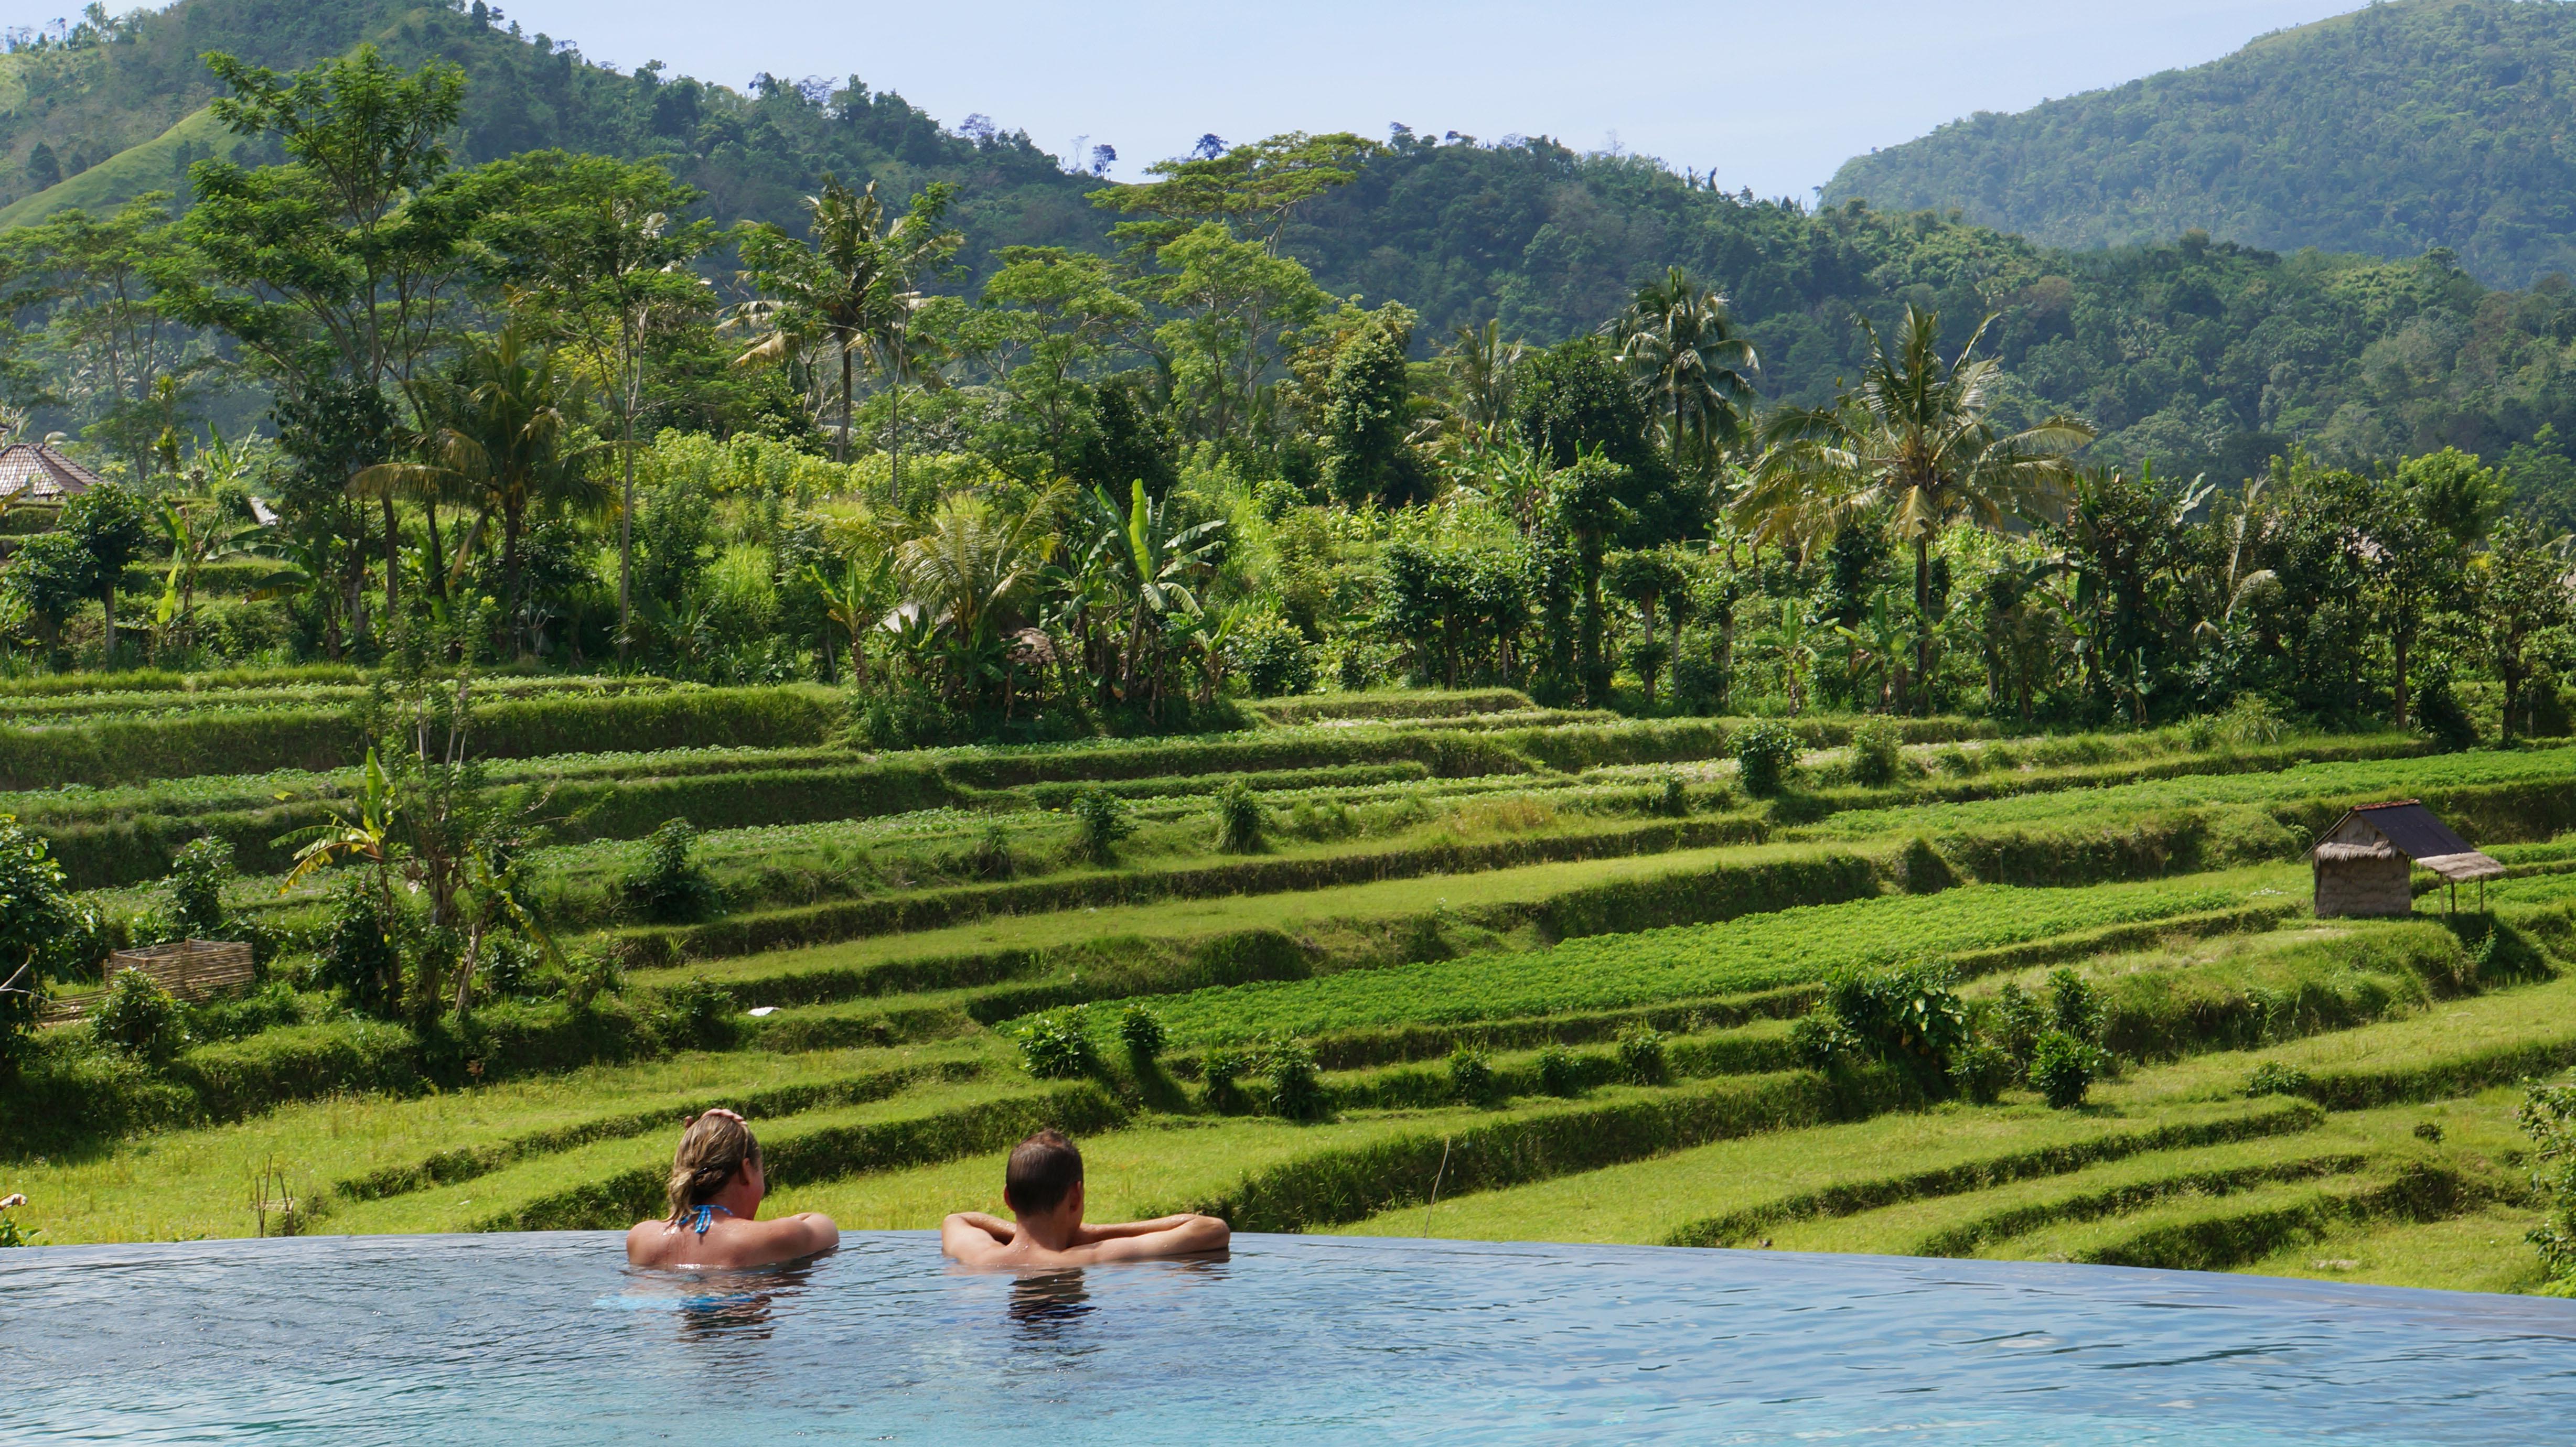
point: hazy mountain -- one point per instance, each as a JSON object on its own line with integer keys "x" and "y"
{"x": 2387, "y": 131}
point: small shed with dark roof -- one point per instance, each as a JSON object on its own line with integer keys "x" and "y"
{"x": 34, "y": 472}
{"x": 2365, "y": 864}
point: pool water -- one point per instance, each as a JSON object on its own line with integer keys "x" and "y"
{"x": 547, "y": 1338}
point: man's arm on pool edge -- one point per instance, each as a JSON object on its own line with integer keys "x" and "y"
{"x": 805, "y": 1233}
{"x": 1182, "y": 1235}
{"x": 970, "y": 1234}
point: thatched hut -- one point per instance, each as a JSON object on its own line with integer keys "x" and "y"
{"x": 2365, "y": 864}
{"x": 35, "y": 472}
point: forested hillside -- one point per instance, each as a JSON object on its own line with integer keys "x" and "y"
{"x": 2386, "y": 131}
{"x": 2202, "y": 356}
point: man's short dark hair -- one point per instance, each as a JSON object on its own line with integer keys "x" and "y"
{"x": 1043, "y": 1169}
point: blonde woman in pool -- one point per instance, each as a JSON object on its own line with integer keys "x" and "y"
{"x": 716, "y": 1187}
{"x": 1043, "y": 1187}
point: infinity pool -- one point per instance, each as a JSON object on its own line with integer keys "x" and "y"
{"x": 548, "y": 1339}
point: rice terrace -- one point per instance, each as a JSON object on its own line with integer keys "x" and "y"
{"x": 1587, "y": 806}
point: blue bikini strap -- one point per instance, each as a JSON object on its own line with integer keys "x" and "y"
{"x": 705, "y": 1216}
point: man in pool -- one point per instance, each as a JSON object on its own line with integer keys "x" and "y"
{"x": 716, "y": 1186}
{"x": 1043, "y": 1187}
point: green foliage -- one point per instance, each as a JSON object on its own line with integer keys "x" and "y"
{"x": 197, "y": 879}
{"x": 590, "y": 977}
{"x": 1643, "y": 1057}
{"x": 1272, "y": 657}
{"x": 1141, "y": 1030}
{"x": 1558, "y": 1071}
{"x": 1221, "y": 1067}
{"x": 36, "y": 933}
{"x": 1471, "y": 1074}
{"x": 2063, "y": 1066}
{"x": 1241, "y": 821}
{"x": 359, "y": 956}
{"x": 1909, "y": 1016}
{"x": 1101, "y": 821}
{"x": 2074, "y": 1006}
{"x": 1876, "y": 753}
{"x": 1765, "y": 754}
{"x": 1296, "y": 1092}
{"x": 672, "y": 887}
{"x": 140, "y": 1018}
{"x": 1980, "y": 1071}
{"x": 2548, "y": 1117}
{"x": 2273, "y": 1077}
{"x": 1057, "y": 1045}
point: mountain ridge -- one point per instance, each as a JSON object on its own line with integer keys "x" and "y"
{"x": 2385, "y": 131}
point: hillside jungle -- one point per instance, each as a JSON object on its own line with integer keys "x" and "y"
{"x": 921, "y": 686}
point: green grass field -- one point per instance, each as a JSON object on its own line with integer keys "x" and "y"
{"x": 1441, "y": 878}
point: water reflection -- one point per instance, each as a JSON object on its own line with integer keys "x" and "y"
{"x": 1047, "y": 1305}
{"x": 722, "y": 1305}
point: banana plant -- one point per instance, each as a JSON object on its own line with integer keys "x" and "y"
{"x": 195, "y": 541}
{"x": 857, "y": 601}
{"x": 364, "y": 835}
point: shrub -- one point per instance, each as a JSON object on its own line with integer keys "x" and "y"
{"x": 2429, "y": 1131}
{"x": 1273, "y": 658}
{"x": 2548, "y": 1116}
{"x": 1295, "y": 1092}
{"x": 1922, "y": 868}
{"x": 359, "y": 957}
{"x": 1641, "y": 1054}
{"x": 1100, "y": 821}
{"x": 1674, "y": 801}
{"x": 1877, "y": 753}
{"x": 37, "y": 928}
{"x": 2251, "y": 720}
{"x": 694, "y": 1014}
{"x": 1142, "y": 1030}
{"x": 1908, "y": 1016}
{"x": 1239, "y": 819}
{"x": 2016, "y": 1020}
{"x": 2274, "y": 1078}
{"x": 592, "y": 976}
{"x": 1057, "y": 1045}
{"x": 2075, "y": 1006}
{"x": 1471, "y": 1074}
{"x": 1221, "y": 1068}
{"x": 196, "y": 886}
{"x": 1558, "y": 1073}
{"x": 2440, "y": 714}
{"x": 672, "y": 887}
{"x": 905, "y": 716}
{"x": 140, "y": 1018}
{"x": 991, "y": 858}
{"x": 1765, "y": 753}
{"x": 1980, "y": 1071}
{"x": 2063, "y": 1067}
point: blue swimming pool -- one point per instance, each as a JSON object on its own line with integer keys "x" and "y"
{"x": 547, "y": 1339}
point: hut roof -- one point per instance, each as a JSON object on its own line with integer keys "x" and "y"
{"x": 31, "y": 471}
{"x": 2406, "y": 827}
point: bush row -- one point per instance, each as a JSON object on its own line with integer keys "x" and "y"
{"x": 934, "y": 909}
{"x": 2233, "y": 1234}
{"x": 1392, "y": 704}
{"x": 2272, "y": 1117}
{"x": 211, "y": 741}
{"x": 1333, "y": 1186}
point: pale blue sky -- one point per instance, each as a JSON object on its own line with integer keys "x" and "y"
{"x": 1774, "y": 96}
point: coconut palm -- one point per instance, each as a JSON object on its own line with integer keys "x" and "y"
{"x": 1484, "y": 378}
{"x": 972, "y": 562}
{"x": 1698, "y": 374}
{"x": 851, "y": 281}
{"x": 502, "y": 438}
{"x": 1918, "y": 438}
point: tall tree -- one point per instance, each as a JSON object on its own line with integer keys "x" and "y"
{"x": 848, "y": 279}
{"x": 1676, "y": 337}
{"x": 102, "y": 279}
{"x": 1233, "y": 305}
{"x": 595, "y": 252}
{"x": 1252, "y": 188}
{"x": 1918, "y": 438}
{"x": 341, "y": 261}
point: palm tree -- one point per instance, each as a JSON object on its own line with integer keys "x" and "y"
{"x": 1676, "y": 337}
{"x": 1918, "y": 438}
{"x": 1152, "y": 564}
{"x": 1484, "y": 376}
{"x": 972, "y": 562}
{"x": 502, "y": 437}
{"x": 851, "y": 281}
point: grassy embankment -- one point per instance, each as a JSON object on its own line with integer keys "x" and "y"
{"x": 1447, "y": 871}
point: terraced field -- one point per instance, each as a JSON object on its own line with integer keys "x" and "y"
{"x": 1542, "y": 967}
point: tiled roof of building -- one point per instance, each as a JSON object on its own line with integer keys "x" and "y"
{"x": 33, "y": 472}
